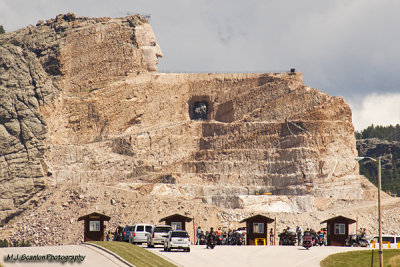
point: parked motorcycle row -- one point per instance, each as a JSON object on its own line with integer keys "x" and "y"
{"x": 307, "y": 239}
{"x": 360, "y": 240}
{"x": 233, "y": 238}
{"x": 288, "y": 237}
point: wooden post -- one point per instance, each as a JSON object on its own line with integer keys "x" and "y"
{"x": 380, "y": 213}
{"x": 275, "y": 231}
{"x": 356, "y": 224}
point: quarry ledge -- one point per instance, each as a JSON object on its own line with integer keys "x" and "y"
{"x": 297, "y": 76}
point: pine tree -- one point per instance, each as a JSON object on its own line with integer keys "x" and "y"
{"x": 2, "y": 29}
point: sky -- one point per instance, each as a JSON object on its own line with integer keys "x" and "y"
{"x": 346, "y": 48}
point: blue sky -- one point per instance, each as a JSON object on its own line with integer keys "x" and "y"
{"x": 346, "y": 48}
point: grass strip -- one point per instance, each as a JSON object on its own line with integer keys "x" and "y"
{"x": 362, "y": 258}
{"x": 136, "y": 255}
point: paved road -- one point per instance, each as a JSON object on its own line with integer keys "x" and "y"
{"x": 93, "y": 256}
{"x": 240, "y": 256}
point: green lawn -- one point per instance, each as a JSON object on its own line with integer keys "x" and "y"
{"x": 136, "y": 255}
{"x": 391, "y": 258}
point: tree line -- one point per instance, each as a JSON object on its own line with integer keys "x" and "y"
{"x": 389, "y": 133}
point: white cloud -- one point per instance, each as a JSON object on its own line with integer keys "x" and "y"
{"x": 377, "y": 109}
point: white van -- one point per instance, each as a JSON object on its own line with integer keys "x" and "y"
{"x": 388, "y": 241}
{"x": 140, "y": 233}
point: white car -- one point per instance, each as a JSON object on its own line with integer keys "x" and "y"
{"x": 139, "y": 233}
{"x": 177, "y": 239}
{"x": 157, "y": 235}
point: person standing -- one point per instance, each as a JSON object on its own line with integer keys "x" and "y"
{"x": 106, "y": 234}
{"x": 109, "y": 236}
{"x": 230, "y": 237}
{"x": 299, "y": 232}
{"x": 218, "y": 232}
{"x": 271, "y": 237}
{"x": 116, "y": 234}
{"x": 198, "y": 235}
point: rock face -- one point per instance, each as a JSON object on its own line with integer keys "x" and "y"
{"x": 389, "y": 152}
{"x": 82, "y": 106}
{"x": 24, "y": 86}
{"x": 68, "y": 54}
{"x": 140, "y": 129}
{"x": 374, "y": 147}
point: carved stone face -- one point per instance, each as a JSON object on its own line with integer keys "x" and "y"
{"x": 147, "y": 43}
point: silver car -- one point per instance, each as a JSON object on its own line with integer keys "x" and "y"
{"x": 157, "y": 235}
{"x": 177, "y": 239}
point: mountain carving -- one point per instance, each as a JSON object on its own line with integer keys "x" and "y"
{"x": 87, "y": 123}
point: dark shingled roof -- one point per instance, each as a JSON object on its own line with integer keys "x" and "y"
{"x": 95, "y": 215}
{"x": 340, "y": 218}
{"x": 178, "y": 216}
{"x": 259, "y": 217}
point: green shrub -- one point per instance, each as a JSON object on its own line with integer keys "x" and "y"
{"x": 3, "y": 243}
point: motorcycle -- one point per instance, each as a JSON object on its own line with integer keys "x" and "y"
{"x": 307, "y": 241}
{"x": 237, "y": 239}
{"x": 314, "y": 237}
{"x": 320, "y": 239}
{"x": 219, "y": 240}
{"x": 357, "y": 241}
{"x": 287, "y": 238}
{"x": 211, "y": 242}
{"x": 224, "y": 239}
{"x": 351, "y": 241}
{"x": 202, "y": 239}
{"x": 363, "y": 241}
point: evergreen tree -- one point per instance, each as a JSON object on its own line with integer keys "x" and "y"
{"x": 390, "y": 133}
{"x": 2, "y": 29}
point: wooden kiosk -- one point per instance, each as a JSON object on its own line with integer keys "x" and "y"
{"x": 337, "y": 230}
{"x": 94, "y": 226}
{"x": 257, "y": 229}
{"x": 177, "y": 221}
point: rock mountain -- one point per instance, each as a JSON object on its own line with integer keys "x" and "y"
{"x": 88, "y": 124}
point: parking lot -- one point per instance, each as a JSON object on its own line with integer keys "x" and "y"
{"x": 250, "y": 256}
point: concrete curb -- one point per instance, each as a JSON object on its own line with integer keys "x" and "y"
{"x": 109, "y": 252}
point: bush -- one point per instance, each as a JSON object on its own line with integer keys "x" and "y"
{"x": 25, "y": 244}
{"x": 15, "y": 243}
{"x": 3, "y": 243}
